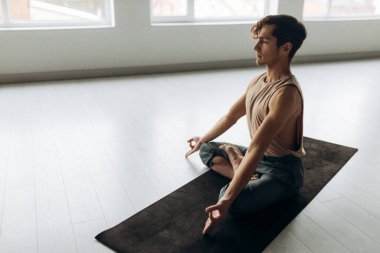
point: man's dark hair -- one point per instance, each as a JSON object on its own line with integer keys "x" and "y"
{"x": 287, "y": 29}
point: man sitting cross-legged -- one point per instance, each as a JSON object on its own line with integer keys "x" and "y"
{"x": 270, "y": 169}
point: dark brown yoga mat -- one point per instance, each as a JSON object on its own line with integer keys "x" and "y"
{"x": 175, "y": 222}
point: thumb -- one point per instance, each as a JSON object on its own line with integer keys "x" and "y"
{"x": 212, "y": 208}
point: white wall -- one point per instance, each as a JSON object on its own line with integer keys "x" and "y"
{"x": 135, "y": 43}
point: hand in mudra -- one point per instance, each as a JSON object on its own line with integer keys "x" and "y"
{"x": 194, "y": 143}
{"x": 216, "y": 213}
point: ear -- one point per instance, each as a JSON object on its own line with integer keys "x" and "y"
{"x": 286, "y": 47}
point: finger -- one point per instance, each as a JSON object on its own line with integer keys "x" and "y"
{"x": 211, "y": 208}
{"x": 207, "y": 226}
{"x": 189, "y": 153}
{"x": 191, "y": 140}
{"x": 216, "y": 215}
{"x": 211, "y": 216}
{"x": 194, "y": 148}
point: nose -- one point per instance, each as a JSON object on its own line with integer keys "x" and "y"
{"x": 256, "y": 45}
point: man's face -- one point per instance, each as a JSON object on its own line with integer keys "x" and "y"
{"x": 265, "y": 46}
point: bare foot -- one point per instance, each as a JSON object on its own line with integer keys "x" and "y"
{"x": 255, "y": 176}
{"x": 234, "y": 154}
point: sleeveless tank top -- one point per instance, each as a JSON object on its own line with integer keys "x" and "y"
{"x": 257, "y": 107}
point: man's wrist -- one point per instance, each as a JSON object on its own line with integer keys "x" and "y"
{"x": 225, "y": 200}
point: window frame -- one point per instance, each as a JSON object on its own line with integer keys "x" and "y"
{"x": 328, "y": 16}
{"x": 7, "y": 24}
{"x": 189, "y": 18}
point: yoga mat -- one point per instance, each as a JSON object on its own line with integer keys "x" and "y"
{"x": 175, "y": 222}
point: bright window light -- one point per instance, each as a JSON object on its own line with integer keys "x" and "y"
{"x": 21, "y": 14}
{"x": 166, "y": 11}
{"x": 341, "y": 9}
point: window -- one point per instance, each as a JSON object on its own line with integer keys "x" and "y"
{"x": 16, "y": 14}
{"x": 209, "y": 10}
{"x": 341, "y": 9}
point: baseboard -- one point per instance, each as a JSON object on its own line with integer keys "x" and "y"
{"x": 157, "y": 69}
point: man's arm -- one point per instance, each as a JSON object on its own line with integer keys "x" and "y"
{"x": 226, "y": 122}
{"x": 281, "y": 107}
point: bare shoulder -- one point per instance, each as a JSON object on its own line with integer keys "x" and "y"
{"x": 286, "y": 98}
{"x": 288, "y": 93}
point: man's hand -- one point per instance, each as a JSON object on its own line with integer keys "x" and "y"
{"x": 216, "y": 213}
{"x": 194, "y": 144}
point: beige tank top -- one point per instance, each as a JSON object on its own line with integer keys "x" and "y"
{"x": 257, "y": 107}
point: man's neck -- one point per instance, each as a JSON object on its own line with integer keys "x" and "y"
{"x": 277, "y": 72}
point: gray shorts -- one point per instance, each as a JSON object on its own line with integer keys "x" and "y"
{"x": 279, "y": 179}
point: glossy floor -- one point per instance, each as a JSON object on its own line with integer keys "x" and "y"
{"x": 77, "y": 157}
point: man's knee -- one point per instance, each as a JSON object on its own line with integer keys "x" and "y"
{"x": 207, "y": 153}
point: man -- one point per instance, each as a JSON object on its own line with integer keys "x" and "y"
{"x": 270, "y": 169}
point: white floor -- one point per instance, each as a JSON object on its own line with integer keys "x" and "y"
{"x": 77, "y": 157}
